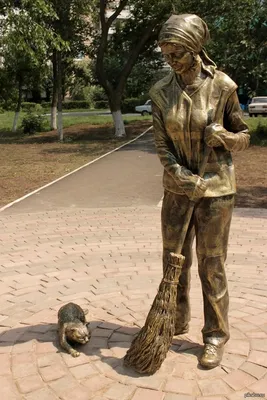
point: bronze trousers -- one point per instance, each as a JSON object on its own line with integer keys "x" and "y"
{"x": 210, "y": 224}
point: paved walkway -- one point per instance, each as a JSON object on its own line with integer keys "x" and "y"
{"x": 94, "y": 238}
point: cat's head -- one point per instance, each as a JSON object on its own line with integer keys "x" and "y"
{"x": 78, "y": 332}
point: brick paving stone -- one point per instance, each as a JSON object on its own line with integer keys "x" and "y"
{"x": 102, "y": 332}
{"x": 253, "y": 369}
{"x": 5, "y": 348}
{"x": 76, "y": 393}
{"x": 42, "y": 394}
{"x": 146, "y": 394}
{"x": 238, "y": 395}
{"x": 62, "y": 385}
{"x": 213, "y": 398}
{"x": 119, "y": 349}
{"x": 172, "y": 396}
{"x": 182, "y": 386}
{"x": 120, "y": 391}
{"x": 44, "y": 360}
{"x": 8, "y": 389}
{"x": 258, "y": 357}
{"x": 96, "y": 383}
{"x": 259, "y": 344}
{"x": 30, "y": 383}
{"x": 232, "y": 361}
{"x": 23, "y": 347}
{"x": 83, "y": 371}
{"x": 259, "y": 386}
{"x": 24, "y": 369}
{"x": 53, "y": 372}
{"x": 154, "y": 382}
{"x": 214, "y": 387}
{"x": 236, "y": 346}
{"x": 238, "y": 380}
{"x": 120, "y": 337}
{"x": 256, "y": 335}
{"x": 5, "y": 364}
{"x": 46, "y": 347}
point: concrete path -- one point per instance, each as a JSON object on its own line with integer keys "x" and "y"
{"x": 94, "y": 239}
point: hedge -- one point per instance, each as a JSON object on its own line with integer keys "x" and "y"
{"x": 70, "y": 105}
{"x": 27, "y": 106}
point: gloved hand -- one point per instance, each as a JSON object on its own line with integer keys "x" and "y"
{"x": 196, "y": 187}
{"x": 214, "y": 135}
{"x": 193, "y": 186}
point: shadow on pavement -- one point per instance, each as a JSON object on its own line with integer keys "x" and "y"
{"x": 100, "y": 344}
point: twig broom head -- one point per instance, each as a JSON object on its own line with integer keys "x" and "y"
{"x": 149, "y": 349}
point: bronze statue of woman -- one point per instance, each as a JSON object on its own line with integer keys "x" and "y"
{"x": 183, "y": 106}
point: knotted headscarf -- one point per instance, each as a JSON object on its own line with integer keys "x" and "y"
{"x": 187, "y": 30}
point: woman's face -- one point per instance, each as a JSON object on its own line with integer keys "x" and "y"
{"x": 177, "y": 57}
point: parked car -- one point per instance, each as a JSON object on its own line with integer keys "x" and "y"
{"x": 145, "y": 109}
{"x": 257, "y": 106}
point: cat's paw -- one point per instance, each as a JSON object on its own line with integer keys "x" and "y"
{"x": 75, "y": 353}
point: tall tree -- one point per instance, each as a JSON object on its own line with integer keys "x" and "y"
{"x": 239, "y": 42}
{"x": 71, "y": 26}
{"x": 25, "y": 41}
{"x": 117, "y": 53}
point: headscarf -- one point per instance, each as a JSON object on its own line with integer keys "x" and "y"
{"x": 187, "y": 30}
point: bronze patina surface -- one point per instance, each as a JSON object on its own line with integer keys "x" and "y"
{"x": 183, "y": 107}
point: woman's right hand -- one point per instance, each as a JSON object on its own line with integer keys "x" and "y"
{"x": 199, "y": 187}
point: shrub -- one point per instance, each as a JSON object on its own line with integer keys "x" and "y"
{"x": 32, "y": 123}
{"x": 259, "y": 135}
{"x": 26, "y": 106}
{"x": 70, "y": 105}
{"x": 101, "y": 104}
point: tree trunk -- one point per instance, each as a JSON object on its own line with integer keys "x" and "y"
{"x": 59, "y": 103}
{"x": 118, "y": 123}
{"x": 115, "y": 108}
{"x": 17, "y": 111}
{"x": 53, "y": 118}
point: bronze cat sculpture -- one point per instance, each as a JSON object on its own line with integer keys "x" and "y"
{"x": 72, "y": 327}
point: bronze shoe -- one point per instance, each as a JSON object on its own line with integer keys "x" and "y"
{"x": 180, "y": 330}
{"x": 211, "y": 356}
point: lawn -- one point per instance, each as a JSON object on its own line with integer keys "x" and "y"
{"x": 6, "y": 119}
{"x": 28, "y": 162}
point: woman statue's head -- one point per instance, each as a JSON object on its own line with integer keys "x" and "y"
{"x": 181, "y": 40}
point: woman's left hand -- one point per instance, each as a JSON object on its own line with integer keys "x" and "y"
{"x": 213, "y": 133}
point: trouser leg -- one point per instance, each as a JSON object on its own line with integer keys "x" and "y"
{"x": 212, "y": 224}
{"x": 173, "y": 212}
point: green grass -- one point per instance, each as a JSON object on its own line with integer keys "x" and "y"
{"x": 258, "y": 130}
{"x": 257, "y": 126}
{"x": 6, "y": 120}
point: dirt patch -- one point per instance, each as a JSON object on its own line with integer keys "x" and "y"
{"x": 30, "y": 162}
{"x": 251, "y": 177}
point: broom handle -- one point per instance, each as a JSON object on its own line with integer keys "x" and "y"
{"x": 201, "y": 172}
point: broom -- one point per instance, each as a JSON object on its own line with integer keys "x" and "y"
{"x": 150, "y": 347}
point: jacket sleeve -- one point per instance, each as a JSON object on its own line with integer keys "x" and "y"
{"x": 236, "y": 137}
{"x": 169, "y": 157}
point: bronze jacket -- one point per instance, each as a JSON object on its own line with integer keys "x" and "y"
{"x": 180, "y": 117}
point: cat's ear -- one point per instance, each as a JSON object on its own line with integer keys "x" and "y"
{"x": 86, "y": 311}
